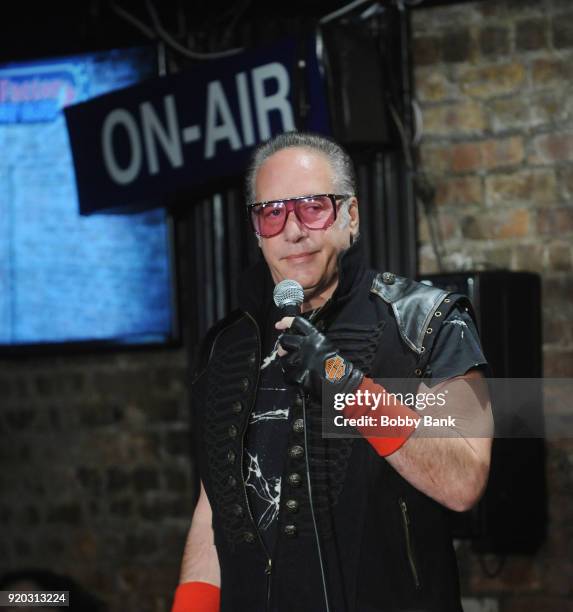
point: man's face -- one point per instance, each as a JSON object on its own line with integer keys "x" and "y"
{"x": 298, "y": 253}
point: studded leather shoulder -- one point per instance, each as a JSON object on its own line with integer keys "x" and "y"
{"x": 414, "y": 306}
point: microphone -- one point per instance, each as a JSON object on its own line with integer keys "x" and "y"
{"x": 288, "y": 296}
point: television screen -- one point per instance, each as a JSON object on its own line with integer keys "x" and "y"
{"x": 64, "y": 278}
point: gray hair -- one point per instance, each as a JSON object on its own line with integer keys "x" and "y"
{"x": 344, "y": 177}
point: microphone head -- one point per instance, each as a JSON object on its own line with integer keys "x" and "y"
{"x": 288, "y": 293}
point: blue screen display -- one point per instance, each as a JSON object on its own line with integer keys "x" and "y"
{"x": 63, "y": 277}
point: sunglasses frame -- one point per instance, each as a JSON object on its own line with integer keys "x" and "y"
{"x": 333, "y": 197}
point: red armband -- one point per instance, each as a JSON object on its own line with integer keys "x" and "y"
{"x": 197, "y": 597}
{"x": 386, "y": 439}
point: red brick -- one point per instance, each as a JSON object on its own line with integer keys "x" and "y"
{"x": 549, "y": 107}
{"x": 496, "y": 225}
{"x": 558, "y": 364}
{"x": 436, "y": 158}
{"x": 459, "y": 191}
{"x": 508, "y": 113}
{"x": 549, "y": 148}
{"x": 503, "y": 152}
{"x": 456, "y": 118}
{"x": 551, "y": 71}
{"x": 466, "y": 157}
{"x": 538, "y": 187}
{"x": 510, "y": 224}
{"x": 434, "y": 85}
{"x": 447, "y": 225}
{"x": 493, "y": 80}
{"x": 555, "y": 221}
{"x": 559, "y": 256}
{"x": 528, "y": 257}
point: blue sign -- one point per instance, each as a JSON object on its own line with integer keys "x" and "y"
{"x": 140, "y": 146}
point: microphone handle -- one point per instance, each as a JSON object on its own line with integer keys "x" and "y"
{"x": 290, "y": 310}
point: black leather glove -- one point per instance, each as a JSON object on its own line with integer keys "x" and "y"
{"x": 312, "y": 361}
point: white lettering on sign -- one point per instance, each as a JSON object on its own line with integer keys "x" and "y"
{"x": 245, "y": 109}
{"x": 121, "y": 117}
{"x": 160, "y": 131}
{"x": 275, "y": 102}
{"x": 191, "y": 133}
{"x": 217, "y": 105}
{"x": 154, "y": 131}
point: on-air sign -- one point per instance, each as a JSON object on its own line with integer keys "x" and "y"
{"x": 142, "y": 145}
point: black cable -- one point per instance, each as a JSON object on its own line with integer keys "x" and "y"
{"x": 424, "y": 190}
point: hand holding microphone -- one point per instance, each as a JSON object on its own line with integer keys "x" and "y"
{"x": 312, "y": 362}
{"x": 311, "y": 359}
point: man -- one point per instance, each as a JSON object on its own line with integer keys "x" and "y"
{"x": 288, "y": 519}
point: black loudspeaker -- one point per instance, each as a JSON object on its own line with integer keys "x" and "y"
{"x": 512, "y": 515}
{"x": 357, "y": 87}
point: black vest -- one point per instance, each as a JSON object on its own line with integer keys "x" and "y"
{"x": 370, "y": 540}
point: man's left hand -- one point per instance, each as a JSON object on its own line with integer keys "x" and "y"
{"x": 311, "y": 360}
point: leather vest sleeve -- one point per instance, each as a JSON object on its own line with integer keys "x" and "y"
{"x": 419, "y": 311}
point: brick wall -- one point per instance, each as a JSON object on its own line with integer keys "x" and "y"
{"x": 494, "y": 80}
{"x": 95, "y": 480}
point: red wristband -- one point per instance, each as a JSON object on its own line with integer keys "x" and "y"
{"x": 385, "y": 439}
{"x": 196, "y": 597}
